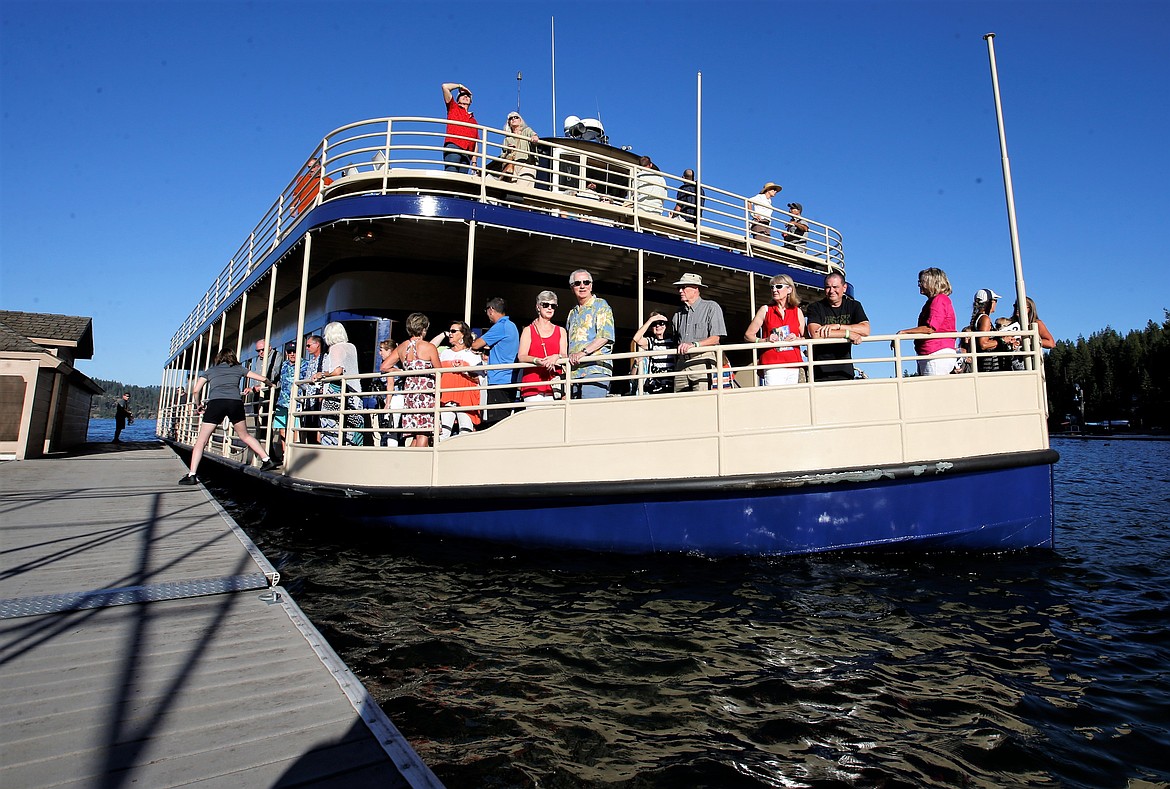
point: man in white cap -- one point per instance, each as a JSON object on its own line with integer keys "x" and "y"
{"x": 698, "y": 325}
{"x": 760, "y": 208}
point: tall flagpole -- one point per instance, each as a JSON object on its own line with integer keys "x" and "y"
{"x": 553, "y": 36}
{"x": 1021, "y": 296}
{"x": 698, "y": 152}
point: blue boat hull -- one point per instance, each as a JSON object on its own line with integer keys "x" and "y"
{"x": 935, "y": 508}
{"x": 986, "y": 504}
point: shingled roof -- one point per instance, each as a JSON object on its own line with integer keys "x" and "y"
{"x": 18, "y": 328}
{"x": 15, "y": 342}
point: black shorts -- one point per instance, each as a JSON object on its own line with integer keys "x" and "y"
{"x": 217, "y": 410}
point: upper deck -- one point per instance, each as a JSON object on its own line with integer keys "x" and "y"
{"x": 400, "y": 159}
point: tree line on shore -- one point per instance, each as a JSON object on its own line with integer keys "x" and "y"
{"x": 1119, "y": 377}
{"x": 143, "y": 400}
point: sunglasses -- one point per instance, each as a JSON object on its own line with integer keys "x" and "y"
{"x": 779, "y": 287}
{"x": 580, "y": 283}
{"x": 549, "y": 305}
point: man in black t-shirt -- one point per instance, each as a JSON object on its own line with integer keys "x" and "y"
{"x": 837, "y": 315}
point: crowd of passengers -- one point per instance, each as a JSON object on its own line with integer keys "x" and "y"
{"x": 681, "y": 357}
{"x": 518, "y": 159}
{"x": 517, "y": 164}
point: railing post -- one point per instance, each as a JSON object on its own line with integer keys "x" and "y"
{"x": 321, "y": 175}
{"x": 718, "y": 382}
{"x": 634, "y": 193}
{"x": 386, "y": 153}
{"x": 483, "y": 165}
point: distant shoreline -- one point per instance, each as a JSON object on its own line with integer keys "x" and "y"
{"x": 1111, "y": 436}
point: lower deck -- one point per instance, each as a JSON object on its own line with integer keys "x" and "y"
{"x": 808, "y": 467}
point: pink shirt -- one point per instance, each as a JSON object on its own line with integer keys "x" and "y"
{"x": 939, "y": 314}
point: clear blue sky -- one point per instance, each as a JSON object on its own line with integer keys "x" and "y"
{"x": 141, "y": 142}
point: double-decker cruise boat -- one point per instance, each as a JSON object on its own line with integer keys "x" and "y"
{"x": 377, "y": 227}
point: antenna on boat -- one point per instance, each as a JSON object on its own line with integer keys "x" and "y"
{"x": 553, "y": 37}
{"x": 1021, "y": 296}
{"x": 519, "y": 76}
{"x": 698, "y": 144}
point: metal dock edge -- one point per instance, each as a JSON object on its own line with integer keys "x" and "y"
{"x": 142, "y": 644}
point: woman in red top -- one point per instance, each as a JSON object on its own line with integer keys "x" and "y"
{"x": 781, "y": 321}
{"x": 544, "y": 344}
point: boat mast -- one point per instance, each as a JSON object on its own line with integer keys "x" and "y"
{"x": 553, "y": 38}
{"x": 1021, "y": 296}
{"x": 698, "y": 151}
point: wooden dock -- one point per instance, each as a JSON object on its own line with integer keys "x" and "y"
{"x": 145, "y": 641}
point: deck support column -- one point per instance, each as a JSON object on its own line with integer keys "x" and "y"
{"x": 240, "y": 333}
{"x": 638, "y": 383}
{"x": 470, "y": 272}
{"x": 293, "y": 406}
{"x": 271, "y": 393}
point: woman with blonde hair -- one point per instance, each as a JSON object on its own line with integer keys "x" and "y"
{"x": 781, "y": 321}
{"x": 937, "y": 316}
{"x": 340, "y": 359}
{"x": 545, "y": 345}
{"x": 518, "y": 149}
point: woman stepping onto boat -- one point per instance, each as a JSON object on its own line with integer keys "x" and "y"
{"x": 224, "y": 401}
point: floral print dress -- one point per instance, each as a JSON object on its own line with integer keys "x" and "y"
{"x": 419, "y": 390}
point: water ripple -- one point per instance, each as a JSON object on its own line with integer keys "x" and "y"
{"x": 546, "y": 669}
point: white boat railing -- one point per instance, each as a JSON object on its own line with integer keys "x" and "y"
{"x": 405, "y": 155}
{"x": 630, "y": 373}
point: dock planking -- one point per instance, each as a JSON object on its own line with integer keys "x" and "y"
{"x": 142, "y": 643}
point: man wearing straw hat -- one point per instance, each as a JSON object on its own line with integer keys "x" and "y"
{"x": 698, "y": 325}
{"x": 760, "y": 207}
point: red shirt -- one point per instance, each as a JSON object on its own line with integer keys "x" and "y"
{"x": 772, "y": 320}
{"x": 460, "y": 136}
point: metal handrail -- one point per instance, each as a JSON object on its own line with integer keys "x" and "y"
{"x": 892, "y": 364}
{"x": 880, "y": 368}
{"x": 381, "y": 149}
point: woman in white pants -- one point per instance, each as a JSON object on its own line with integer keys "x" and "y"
{"x": 937, "y": 316}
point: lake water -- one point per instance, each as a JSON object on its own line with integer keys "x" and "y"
{"x": 102, "y": 430}
{"x": 510, "y": 668}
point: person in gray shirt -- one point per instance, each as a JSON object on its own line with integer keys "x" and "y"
{"x": 224, "y": 401}
{"x": 698, "y": 325}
